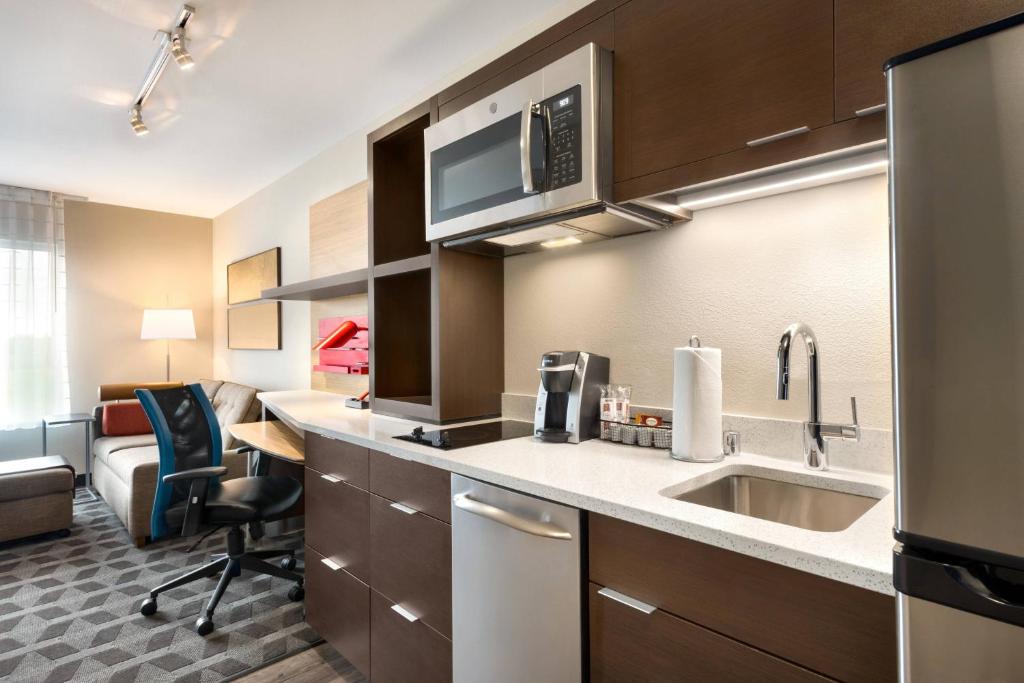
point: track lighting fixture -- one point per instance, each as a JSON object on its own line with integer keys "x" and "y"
{"x": 178, "y": 50}
{"x": 136, "y": 120}
{"x": 172, "y": 44}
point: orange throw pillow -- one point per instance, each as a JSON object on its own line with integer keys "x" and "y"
{"x": 125, "y": 419}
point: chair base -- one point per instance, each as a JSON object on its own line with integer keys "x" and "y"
{"x": 229, "y": 566}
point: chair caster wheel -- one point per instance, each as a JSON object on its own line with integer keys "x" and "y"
{"x": 148, "y": 607}
{"x": 288, "y": 563}
{"x": 204, "y": 626}
{"x": 296, "y": 593}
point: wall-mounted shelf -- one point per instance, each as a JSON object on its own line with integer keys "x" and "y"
{"x": 329, "y": 287}
{"x": 408, "y": 265}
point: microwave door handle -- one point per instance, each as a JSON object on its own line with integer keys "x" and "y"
{"x": 525, "y": 137}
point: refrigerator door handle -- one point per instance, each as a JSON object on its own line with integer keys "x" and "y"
{"x": 977, "y": 585}
{"x": 958, "y": 583}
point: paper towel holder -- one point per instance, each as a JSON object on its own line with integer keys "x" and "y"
{"x": 694, "y": 342}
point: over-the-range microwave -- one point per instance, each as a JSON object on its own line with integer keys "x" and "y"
{"x": 531, "y": 165}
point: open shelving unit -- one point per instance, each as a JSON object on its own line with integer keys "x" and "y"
{"x": 436, "y": 316}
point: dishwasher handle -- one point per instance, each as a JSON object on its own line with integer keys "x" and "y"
{"x": 529, "y": 526}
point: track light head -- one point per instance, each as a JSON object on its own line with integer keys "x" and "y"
{"x": 136, "y": 120}
{"x": 179, "y": 51}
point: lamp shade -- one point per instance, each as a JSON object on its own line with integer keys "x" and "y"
{"x": 168, "y": 323}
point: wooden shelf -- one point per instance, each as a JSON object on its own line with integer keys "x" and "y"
{"x": 329, "y": 287}
{"x": 408, "y": 265}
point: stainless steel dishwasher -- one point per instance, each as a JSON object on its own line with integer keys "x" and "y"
{"x": 516, "y": 591}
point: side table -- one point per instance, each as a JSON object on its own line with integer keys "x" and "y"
{"x": 75, "y": 418}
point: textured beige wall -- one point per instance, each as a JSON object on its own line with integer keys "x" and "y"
{"x": 119, "y": 262}
{"x": 736, "y": 276}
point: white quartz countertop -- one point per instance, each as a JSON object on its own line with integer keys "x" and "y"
{"x": 626, "y": 482}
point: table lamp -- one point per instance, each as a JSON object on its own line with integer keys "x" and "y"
{"x": 168, "y": 324}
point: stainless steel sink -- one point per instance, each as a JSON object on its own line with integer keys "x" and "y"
{"x": 807, "y": 507}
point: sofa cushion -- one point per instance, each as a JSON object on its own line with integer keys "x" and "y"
{"x": 210, "y": 387}
{"x": 234, "y": 403}
{"x": 103, "y": 447}
{"x": 124, "y": 463}
{"x": 125, "y": 419}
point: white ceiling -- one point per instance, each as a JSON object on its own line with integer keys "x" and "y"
{"x": 275, "y": 83}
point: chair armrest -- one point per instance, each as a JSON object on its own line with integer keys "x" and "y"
{"x": 197, "y": 473}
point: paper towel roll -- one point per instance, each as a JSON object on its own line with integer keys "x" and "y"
{"x": 697, "y": 404}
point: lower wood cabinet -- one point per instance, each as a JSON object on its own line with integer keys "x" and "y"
{"x": 396, "y": 549}
{"x": 341, "y": 459}
{"x": 627, "y": 644}
{"x": 424, "y": 488}
{"x": 338, "y": 608}
{"x": 411, "y": 561}
{"x": 405, "y": 650}
{"x": 338, "y": 522}
{"x": 838, "y": 630}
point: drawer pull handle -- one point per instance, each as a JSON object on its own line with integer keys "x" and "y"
{"x": 626, "y": 600}
{"x": 778, "y": 136}
{"x": 331, "y": 478}
{"x": 529, "y": 526}
{"x": 330, "y": 564}
{"x": 406, "y": 614}
{"x": 404, "y": 508}
{"x": 868, "y": 111}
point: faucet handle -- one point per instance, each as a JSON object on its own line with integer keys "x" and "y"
{"x": 850, "y": 432}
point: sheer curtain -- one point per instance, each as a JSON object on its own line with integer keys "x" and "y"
{"x": 33, "y": 321}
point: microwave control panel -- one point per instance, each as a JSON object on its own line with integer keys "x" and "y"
{"x": 566, "y": 147}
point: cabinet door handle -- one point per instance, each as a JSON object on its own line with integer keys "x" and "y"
{"x": 330, "y": 564}
{"x": 406, "y": 614}
{"x": 626, "y": 600}
{"x": 331, "y": 478}
{"x": 868, "y": 111}
{"x": 404, "y": 508}
{"x": 778, "y": 136}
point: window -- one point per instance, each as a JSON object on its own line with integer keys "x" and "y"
{"x": 33, "y": 328}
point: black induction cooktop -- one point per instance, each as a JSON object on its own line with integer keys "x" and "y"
{"x": 471, "y": 435}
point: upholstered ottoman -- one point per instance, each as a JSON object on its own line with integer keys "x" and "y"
{"x": 36, "y": 496}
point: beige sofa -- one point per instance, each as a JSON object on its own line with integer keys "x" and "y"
{"x": 125, "y": 467}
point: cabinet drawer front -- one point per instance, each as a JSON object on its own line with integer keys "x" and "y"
{"x": 406, "y": 650}
{"x": 628, "y": 645}
{"x": 421, "y": 487}
{"x": 839, "y": 630}
{"x": 339, "y": 458}
{"x": 411, "y": 562}
{"x": 338, "y": 522}
{"x": 338, "y": 607}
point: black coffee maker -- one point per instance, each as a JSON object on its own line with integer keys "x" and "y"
{"x": 569, "y": 397}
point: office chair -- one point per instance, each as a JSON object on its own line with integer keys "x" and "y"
{"x": 191, "y": 497}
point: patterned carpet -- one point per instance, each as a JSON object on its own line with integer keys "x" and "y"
{"x": 69, "y": 610}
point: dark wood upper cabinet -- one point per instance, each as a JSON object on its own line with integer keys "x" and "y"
{"x": 701, "y": 78}
{"x": 869, "y": 32}
{"x": 600, "y": 31}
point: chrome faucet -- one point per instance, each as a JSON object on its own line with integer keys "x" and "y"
{"x": 815, "y": 431}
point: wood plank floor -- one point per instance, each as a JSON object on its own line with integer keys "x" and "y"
{"x": 321, "y": 663}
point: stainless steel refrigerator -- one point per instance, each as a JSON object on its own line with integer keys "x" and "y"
{"x": 956, "y": 148}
